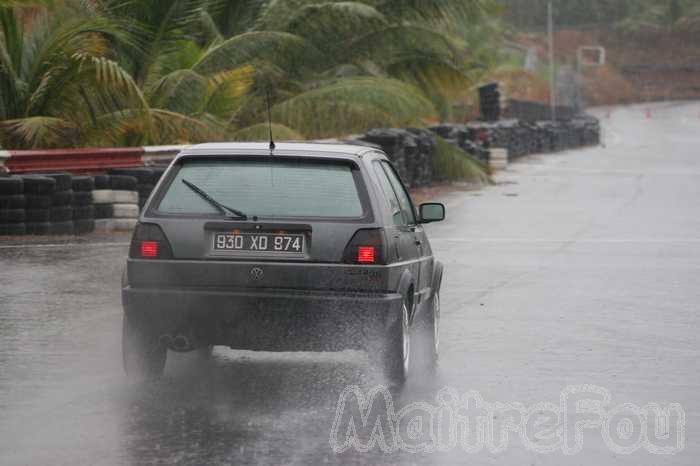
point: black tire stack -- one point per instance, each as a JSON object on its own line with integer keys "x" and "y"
{"x": 116, "y": 202}
{"x": 12, "y": 203}
{"x": 61, "y": 210}
{"x": 83, "y": 208}
{"x": 490, "y": 102}
{"x": 144, "y": 181}
{"x": 38, "y": 191}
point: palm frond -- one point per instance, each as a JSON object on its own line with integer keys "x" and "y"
{"x": 353, "y": 105}
{"x": 236, "y": 17}
{"x": 286, "y": 51}
{"x": 277, "y": 13}
{"x": 261, "y": 132}
{"x": 443, "y": 11}
{"x": 330, "y": 26}
{"x": 183, "y": 91}
{"x": 226, "y": 89}
{"x": 39, "y": 132}
{"x": 451, "y": 163}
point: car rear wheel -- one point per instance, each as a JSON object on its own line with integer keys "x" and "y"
{"x": 397, "y": 351}
{"x": 143, "y": 356}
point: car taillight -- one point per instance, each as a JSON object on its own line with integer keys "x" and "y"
{"x": 149, "y": 248}
{"x": 366, "y": 247}
{"x": 149, "y": 242}
{"x": 365, "y": 254}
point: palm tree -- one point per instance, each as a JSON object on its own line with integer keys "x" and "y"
{"x": 56, "y": 77}
{"x": 165, "y": 71}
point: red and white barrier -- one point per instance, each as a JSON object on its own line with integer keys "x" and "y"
{"x": 87, "y": 160}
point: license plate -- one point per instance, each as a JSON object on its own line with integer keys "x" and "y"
{"x": 259, "y": 242}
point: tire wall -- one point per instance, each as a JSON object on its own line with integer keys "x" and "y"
{"x": 411, "y": 149}
{"x": 60, "y": 203}
{"x": 64, "y": 204}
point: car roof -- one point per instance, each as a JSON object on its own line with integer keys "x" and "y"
{"x": 286, "y": 148}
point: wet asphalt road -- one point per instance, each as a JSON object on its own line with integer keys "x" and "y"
{"x": 576, "y": 268}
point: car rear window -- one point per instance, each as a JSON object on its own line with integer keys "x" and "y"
{"x": 279, "y": 188}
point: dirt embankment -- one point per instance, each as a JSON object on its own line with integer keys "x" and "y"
{"x": 641, "y": 67}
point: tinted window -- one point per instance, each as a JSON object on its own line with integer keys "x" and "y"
{"x": 266, "y": 189}
{"x": 389, "y": 195}
{"x": 404, "y": 200}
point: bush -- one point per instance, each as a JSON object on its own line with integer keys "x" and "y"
{"x": 451, "y": 163}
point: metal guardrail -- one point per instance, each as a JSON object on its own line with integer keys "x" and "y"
{"x": 88, "y": 160}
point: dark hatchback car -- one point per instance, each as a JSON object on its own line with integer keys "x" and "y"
{"x": 310, "y": 247}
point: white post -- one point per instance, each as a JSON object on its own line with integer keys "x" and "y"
{"x": 4, "y": 156}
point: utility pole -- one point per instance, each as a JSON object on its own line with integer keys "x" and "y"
{"x": 552, "y": 71}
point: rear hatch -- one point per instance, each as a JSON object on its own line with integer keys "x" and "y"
{"x": 222, "y": 216}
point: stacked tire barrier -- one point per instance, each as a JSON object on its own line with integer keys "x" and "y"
{"x": 12, "y": 206}
{"x": 520, "y": 137}
{"x": 411, "y": 151}
{"x": 146, "y": 179}
{"x": 63, "y": 204}
{"x": 45, "y": 204}
{"x": 116, "y": 202}
{"x": 83, "y": 207}
{"x": 490, "y": 102}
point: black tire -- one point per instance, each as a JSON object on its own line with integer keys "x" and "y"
{"x": 83, "y": 212}
{"x": 142, "y": 354}
{"x": 392, "y": 355}
{"x": 42, "y": 228}
{"x": 84, "y": 226}
{"x": 13, "y": 229}
{"x": 11, "y": 185}
{"x": 12, "y": 216}
{"x": 157, "y": 175}
{"x": 145, "y": 190}
{"x": 101, "y": 181}
{"x": 38, "y": 215}
{"x": 104, "y": 210}
{"x": 142, "y": 175}
{"x": 13, "y": 201}
{"x": 83, "y": 183}
{"x": 64, "y": 181}
{"x": 38, "y": 185}
{"x": 61, "y": 214}
{"x": 122, "y": 183}
{"x": 37, "y": 202}
{"x": 61, "y": 198}
{"x": 82, "y": 198}
{"x": 62, "y": 228}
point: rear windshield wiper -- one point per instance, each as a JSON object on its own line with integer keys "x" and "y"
{"x": 224, "y": 209}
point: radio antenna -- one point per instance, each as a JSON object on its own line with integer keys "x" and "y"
{"x": 269, "y": 122}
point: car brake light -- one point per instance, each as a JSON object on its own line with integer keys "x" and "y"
{"x": 365, "y": 254}
{"x": 367, "y": 246}
{"x": 149, "y": 248}
{"x": 149, "y": 242}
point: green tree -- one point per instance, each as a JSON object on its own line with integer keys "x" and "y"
{"x": 166, "y": 71}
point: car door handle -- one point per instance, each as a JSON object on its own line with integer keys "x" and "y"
{"x": 419, "y": 242}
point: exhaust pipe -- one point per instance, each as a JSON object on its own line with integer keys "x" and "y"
{"x": 181, "y": 343}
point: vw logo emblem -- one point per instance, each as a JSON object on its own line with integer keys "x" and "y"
{"x": 256, "y": 274}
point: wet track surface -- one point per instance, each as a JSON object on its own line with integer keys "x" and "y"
{"x": 576, "y": 268}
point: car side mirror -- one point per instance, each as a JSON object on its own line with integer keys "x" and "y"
{"x": 431, "y": 212}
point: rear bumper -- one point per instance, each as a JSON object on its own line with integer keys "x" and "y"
{"x": 266, "y": 319}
